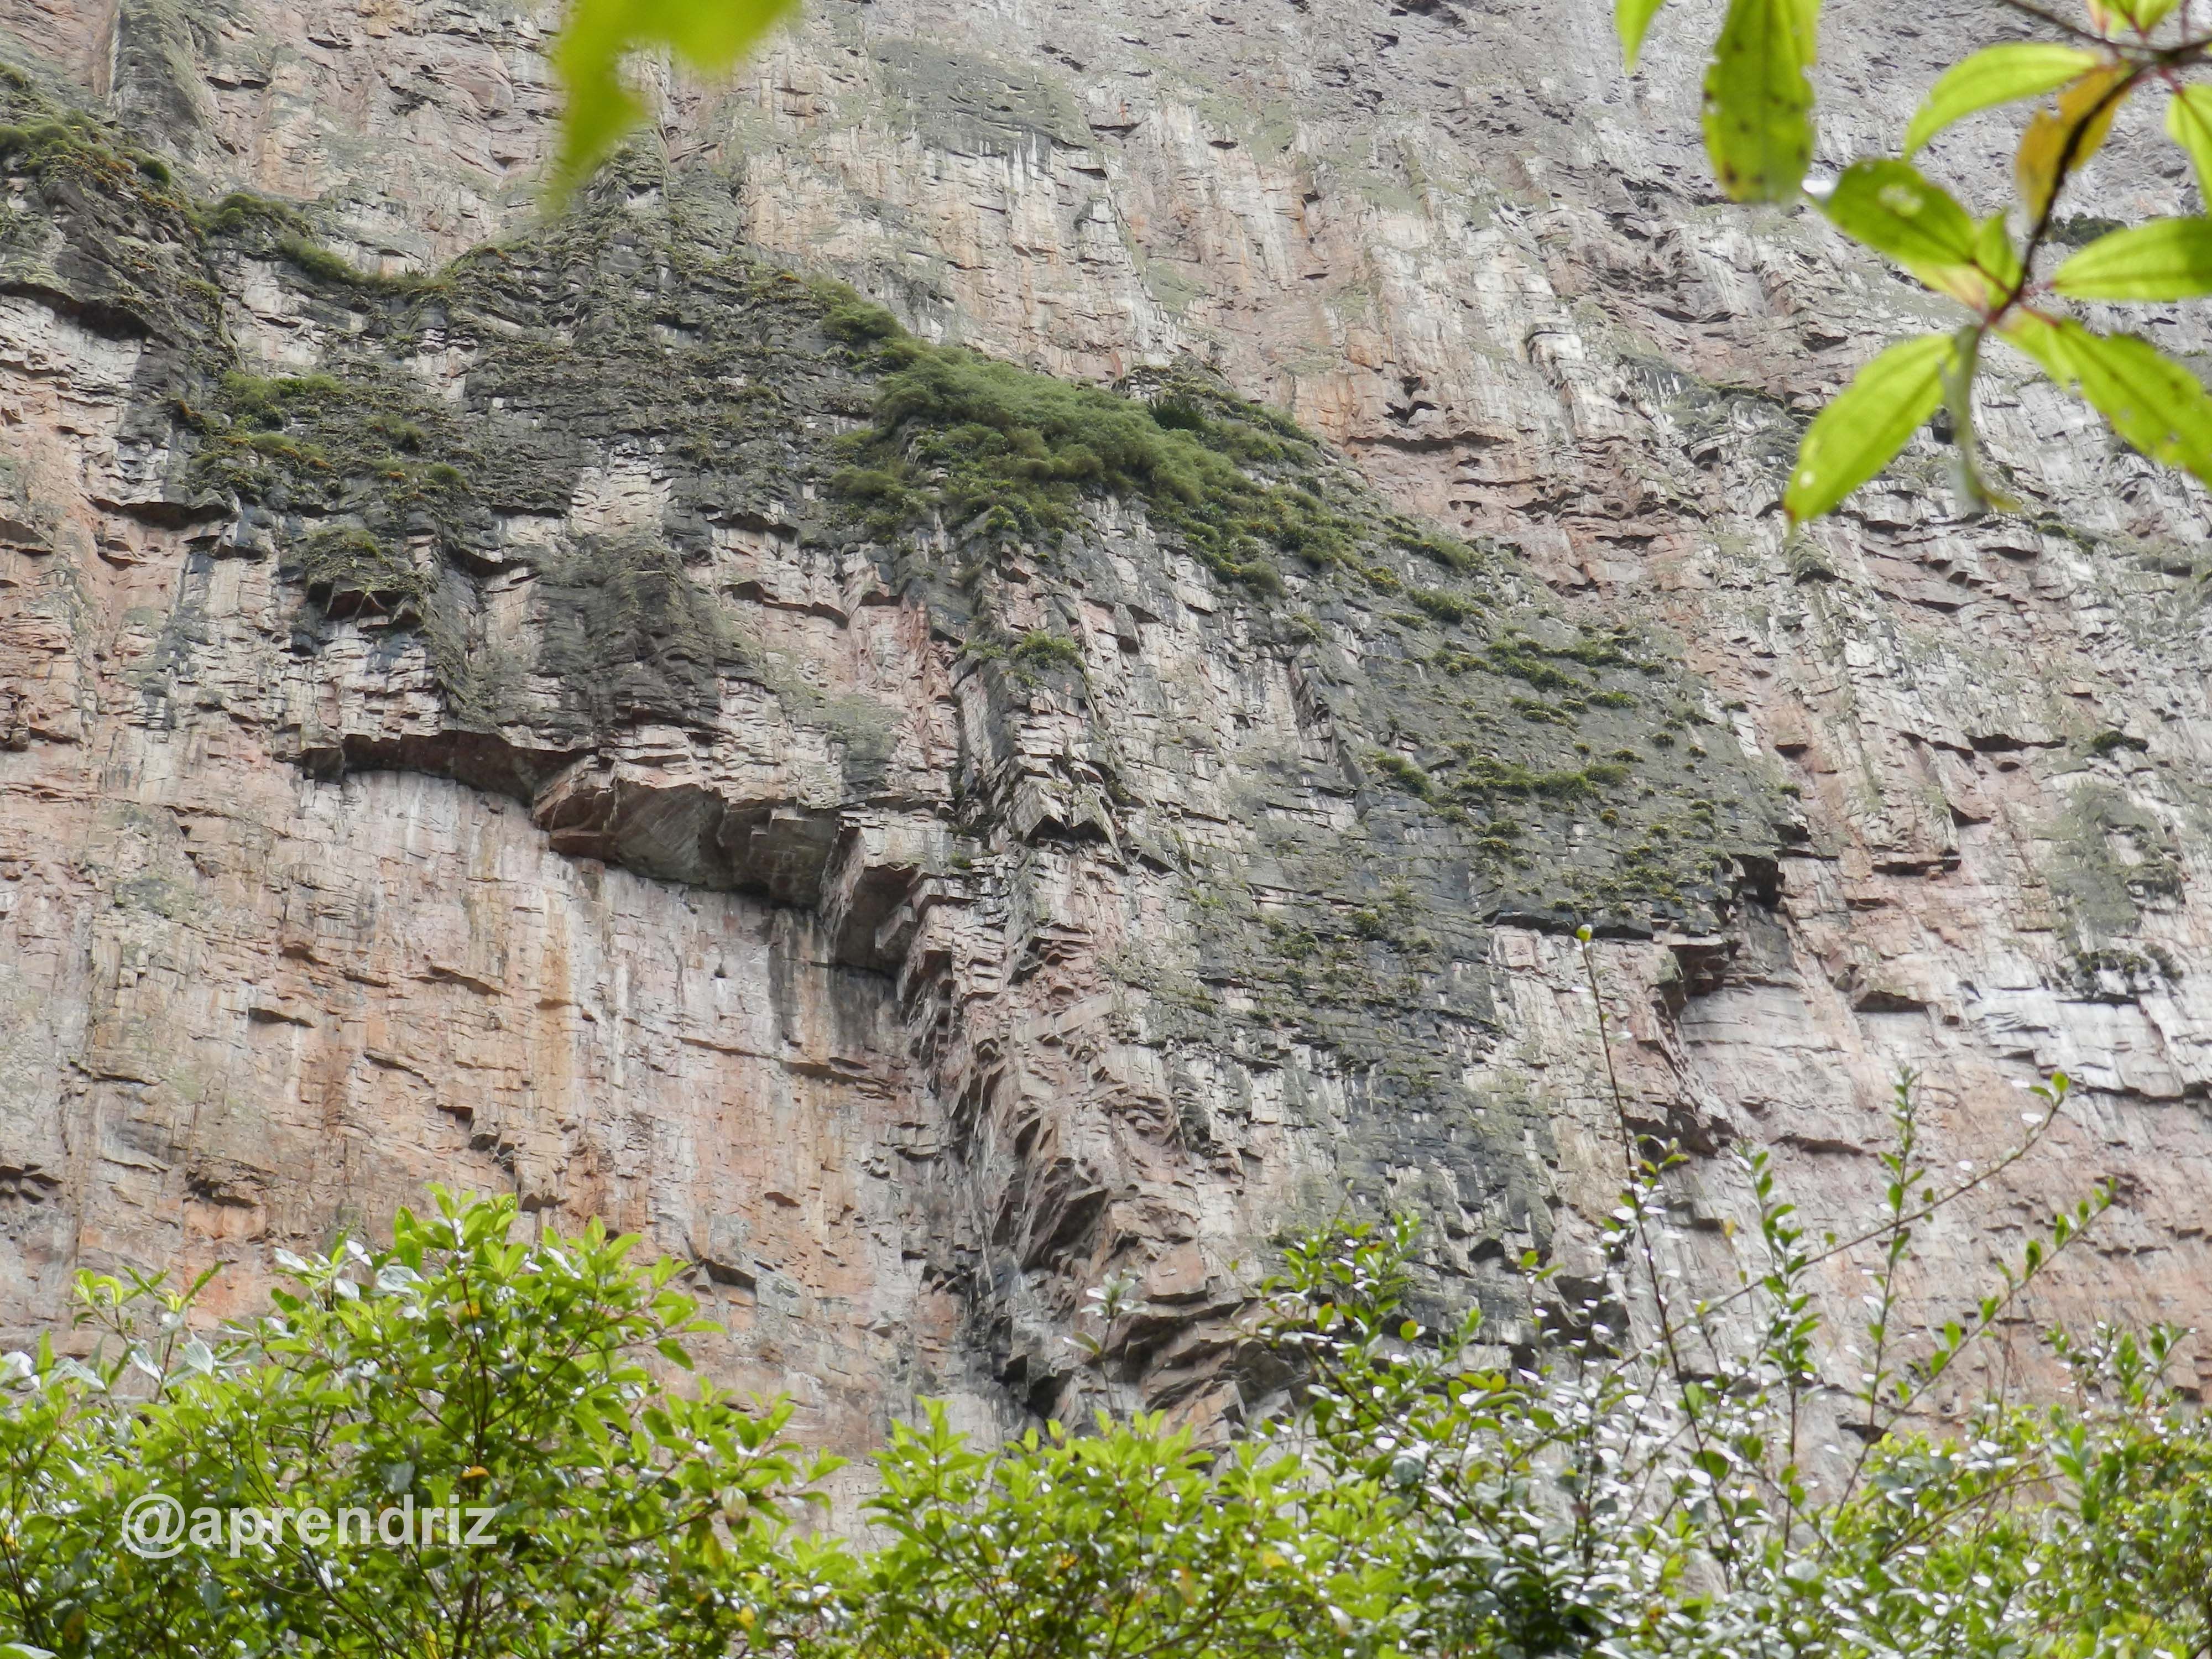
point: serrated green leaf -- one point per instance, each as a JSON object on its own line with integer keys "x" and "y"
{"x": 1632, "y": 21}
{"x": 1996, "y": 74}
{"x": 2188, "y": 123}
{"x": 2148, "y": 398}
{"x": 2165, "y": 259}
{"x": 709, "y": 35}
{"x": 1894, "y": 208}
{"x": 1758, "y": 103}
{"x": 1856, "y": 435}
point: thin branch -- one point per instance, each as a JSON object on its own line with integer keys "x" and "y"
{"x": 1829, "y": 1252}
{"x": 2060, "y": 177}
{"x": 2052, "y": 19}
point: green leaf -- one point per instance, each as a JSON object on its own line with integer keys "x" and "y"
{"x": 1893, "y": 208}
{"x": 709, "y": 35}
{"x": 674, "y": 1352}
{"x": 1631, "y": 21}
{"x": 2149, "y": 399}
{"x": 1996, "y": 74}
{"x": 2145, "y": 14}
{"x": 2165, "y": 259}
{"x": 2188, "y": 123}
{"x": 1856, "y": 435}
{"x": 1995, "y": 253}
{"x": 1759, "y": 105}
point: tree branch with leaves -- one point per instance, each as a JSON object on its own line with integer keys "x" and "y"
{"x": 1759, "y": 101}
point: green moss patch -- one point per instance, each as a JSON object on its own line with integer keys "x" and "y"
{"x": 1003, "y": 452}
{"x": 1503, "y": 759}
{"x": 629, "y": 636}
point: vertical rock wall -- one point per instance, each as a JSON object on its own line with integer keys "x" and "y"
{"x": 909, "y": 994}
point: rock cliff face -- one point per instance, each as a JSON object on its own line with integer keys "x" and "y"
{"x": 598, "y": 711}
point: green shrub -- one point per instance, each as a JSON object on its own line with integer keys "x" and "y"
{"x": 1179, "y": 414}
{"x": 1485, "y": 776}
{"x": 243, "y": 209}
{"x": 1442, "y": 606}
{"x": 323, "y": 265}
{"x": 1039, "y": 649}
{"x": 1523, "y": 660}
{"x": 981, "y": 443}
{"x": 1626, "y": 1485}
{"x": 857, "y": 322}
{"x": 1402, "y": 773}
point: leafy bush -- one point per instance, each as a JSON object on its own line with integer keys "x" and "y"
{"x": 1402, "y": 773}
{"x": 1041, "y": 650}
{"x": 245, "y": 209}
{"x": 460, "y": 1372}
{"x": 1632, "y": 1474}
{"x": 1131, "y": 1540}
{"x": 857, "y": 321}
{"x": 323, "y": 265}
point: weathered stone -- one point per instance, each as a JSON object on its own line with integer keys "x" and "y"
{"x": 924, "y": 988}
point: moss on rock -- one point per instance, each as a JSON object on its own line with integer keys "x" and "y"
{"x": 1503, "y": 760}
{"x": 629, "y": 636}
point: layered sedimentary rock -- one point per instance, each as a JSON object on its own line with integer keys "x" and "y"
{"x": 562, "y": 708}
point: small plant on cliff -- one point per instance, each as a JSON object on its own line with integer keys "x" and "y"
{"x": 1040, "y": 652}
{"x": 990, "y": 448}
